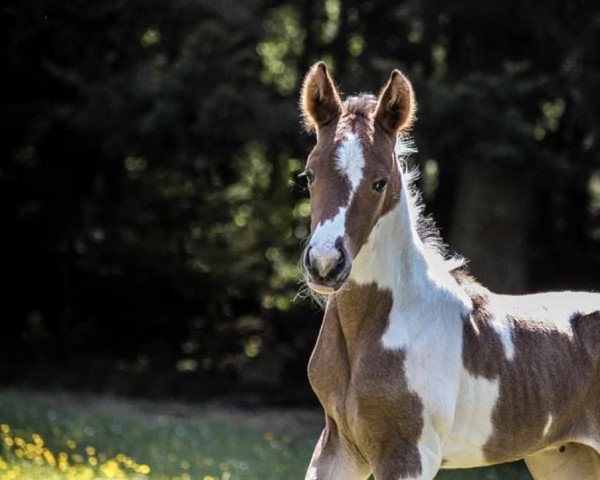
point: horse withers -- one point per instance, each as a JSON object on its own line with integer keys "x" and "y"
{"x": 419, "y": 367}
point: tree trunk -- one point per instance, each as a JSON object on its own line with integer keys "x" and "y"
{"x": 491, "y": 226}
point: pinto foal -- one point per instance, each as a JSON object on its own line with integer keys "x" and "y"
{"x": 418, "y": 367}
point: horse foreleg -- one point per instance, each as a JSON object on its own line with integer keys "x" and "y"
{"x": 333, "y": 459}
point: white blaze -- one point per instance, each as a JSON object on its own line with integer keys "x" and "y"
{"x": 322, "y": 243}
{"x": 350, "y": 161}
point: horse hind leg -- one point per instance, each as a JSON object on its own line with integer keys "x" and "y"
{"x": 568, "y": 462}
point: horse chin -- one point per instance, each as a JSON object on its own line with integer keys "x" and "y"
{"x": 321, "y": 289}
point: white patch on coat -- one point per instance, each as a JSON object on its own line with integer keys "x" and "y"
{"x": 550, "y": 310}
{"x": 472, "y": 425}
{"x": 548, "y": 425}
{"x": 505, "y": 330}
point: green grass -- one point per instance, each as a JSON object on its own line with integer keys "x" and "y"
{"x": 63, "y": 437}
{"x": 174, "y": 440}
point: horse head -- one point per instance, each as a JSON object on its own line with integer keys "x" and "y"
{"x": 352, "y": 173}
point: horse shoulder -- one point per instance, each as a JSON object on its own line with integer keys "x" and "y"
{"x": 328, "y": 367}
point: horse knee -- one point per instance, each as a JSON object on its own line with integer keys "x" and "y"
{"x": 333, "y": 460}
{"x": 406, "y": 461}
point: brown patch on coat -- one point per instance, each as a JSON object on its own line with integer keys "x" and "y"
{"x": 551, "y": 373}
{"x": 363, "y": 386}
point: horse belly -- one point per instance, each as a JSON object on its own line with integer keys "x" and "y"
{"x": 472, "y": 426}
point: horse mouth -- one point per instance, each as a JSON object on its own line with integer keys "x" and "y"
{"x": 327, "y": 286}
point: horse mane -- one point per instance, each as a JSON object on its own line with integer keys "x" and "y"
{"x": 435, "y": 248}
{"x": 364, "y": 105}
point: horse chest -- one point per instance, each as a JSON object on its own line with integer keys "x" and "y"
{"x": 362, "y": 387}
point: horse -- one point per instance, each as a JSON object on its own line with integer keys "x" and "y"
{"x": 418, "y": 366}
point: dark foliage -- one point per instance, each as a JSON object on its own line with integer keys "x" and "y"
{"x": 152, "y": 221}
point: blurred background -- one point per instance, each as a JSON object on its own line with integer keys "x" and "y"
{"x": 151, "y": 217}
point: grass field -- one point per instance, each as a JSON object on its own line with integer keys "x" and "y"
{"x": 74, "y": 437}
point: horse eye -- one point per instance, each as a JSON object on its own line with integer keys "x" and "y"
{"x": 379, "y": 185}
{"x": 308, "y": 176}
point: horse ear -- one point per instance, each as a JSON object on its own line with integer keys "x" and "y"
{"x": 320, "y": 99}
{"x": 396, "y": 105}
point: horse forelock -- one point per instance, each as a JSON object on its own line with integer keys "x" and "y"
{"x": 362, "y": 105}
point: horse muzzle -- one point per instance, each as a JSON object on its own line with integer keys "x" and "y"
{"x": 327, "y": 267}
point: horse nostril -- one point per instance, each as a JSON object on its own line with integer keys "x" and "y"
{"x": 339, "y": 244}
{"x": 342, "y": 258}
{"x": 306, "y": 258}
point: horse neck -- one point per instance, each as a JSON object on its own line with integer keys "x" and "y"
{"x": 396, "y": 260}
{"x": 394, "y": 257}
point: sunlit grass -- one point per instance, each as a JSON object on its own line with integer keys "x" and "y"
{"x": 30, "y": 458}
